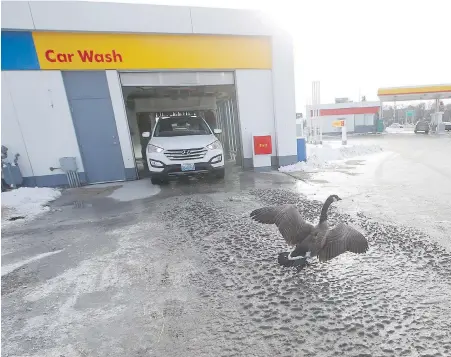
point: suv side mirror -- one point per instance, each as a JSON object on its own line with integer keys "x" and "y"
{"x": 146, "y": 134}
{"x": 217, "y": 131}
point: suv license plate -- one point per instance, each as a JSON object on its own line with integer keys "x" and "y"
{"x": 188, "y": 167}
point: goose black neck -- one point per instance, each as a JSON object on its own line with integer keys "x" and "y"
{"x": 323, "y": 216}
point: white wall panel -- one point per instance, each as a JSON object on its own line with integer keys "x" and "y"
{"x": 229, "y": 22}
{"x": 163, "y": 79}
{"x": 114, "y": 17}
{"x": 255, "y": 107}
{"x": 40, "y": 101}
{"x": 122, "y": 17}
{"x": 11, "y": 133}
{"x": 120, "y": 115}
{"x": 16, "y": 15}
{"x": 284, "y": 95}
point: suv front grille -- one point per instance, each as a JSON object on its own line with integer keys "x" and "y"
{"x": 185, "y": 154}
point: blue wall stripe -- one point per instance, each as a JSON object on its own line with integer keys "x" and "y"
{"x": 57, "y": 180}
{"x": 18, "y": 51}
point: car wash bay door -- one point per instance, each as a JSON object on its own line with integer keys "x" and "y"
{"x": 95, "y": 125}
{"x": 216, "y": 86}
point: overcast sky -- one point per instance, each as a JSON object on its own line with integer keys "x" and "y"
{"x": 357, "y": 46}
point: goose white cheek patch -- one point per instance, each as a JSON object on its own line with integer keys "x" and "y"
{"x": 307, "y": 255}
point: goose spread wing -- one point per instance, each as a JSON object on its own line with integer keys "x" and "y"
{"x": 341, "y": 239}
{"x": 288, "y": 219}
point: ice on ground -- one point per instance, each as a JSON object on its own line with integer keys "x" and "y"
{"x": 27, "y": 201}
{"x": 352, "y": 183}
{"x": 135, "y": 190}
{"x": 6, "y": 269}
{"x": 360, "y": 191}
{"x": 329, "y": 155}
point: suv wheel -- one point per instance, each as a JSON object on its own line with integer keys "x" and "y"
{"x": 220, "y": 174}
{"x": 158, "y": 181}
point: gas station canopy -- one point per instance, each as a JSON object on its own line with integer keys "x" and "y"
{"x": 431, "y": 92}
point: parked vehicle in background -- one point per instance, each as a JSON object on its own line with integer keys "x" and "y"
{"x": 183, "y": 146}
{"x": 422, "y": 126}
{"x": 447, "y": 125}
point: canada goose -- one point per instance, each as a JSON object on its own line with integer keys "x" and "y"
{"x": 309, "y": 240}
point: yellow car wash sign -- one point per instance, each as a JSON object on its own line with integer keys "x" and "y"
{"x": 338, "y": 123}
{"x": 84, "y": 51}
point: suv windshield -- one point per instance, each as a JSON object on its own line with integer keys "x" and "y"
{"x": 181, "y": 126}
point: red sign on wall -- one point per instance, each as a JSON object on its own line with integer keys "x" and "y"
{"x": 262, "y": 145}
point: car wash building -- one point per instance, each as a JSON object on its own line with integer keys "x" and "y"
{"x": 81, "y": 81}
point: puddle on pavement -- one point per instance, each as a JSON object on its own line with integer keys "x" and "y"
{"x": 81, "y": 204}
{"x": 93, "y": 300}
{"x": 303, "y": 176}
{"x": 79, "y": 197}
{"x": 96, "y": 190}
{"x": 78, "y": 204}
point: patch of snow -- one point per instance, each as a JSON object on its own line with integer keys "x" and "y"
{"x": 8, "y": 161}
{"x": 328, "y": 155}
{"x": 27, "y": 201}
{"x": 6, "y": 269}
{"x": 135, "y": 190}
{"x": 405, "y": 130}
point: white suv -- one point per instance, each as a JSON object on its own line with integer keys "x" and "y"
{"x": 183, "y": 145}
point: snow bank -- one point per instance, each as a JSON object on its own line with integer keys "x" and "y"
{"x": 27, "y": 202}
{"x": 405, "y": 130}
{"x": 326, "y": 156}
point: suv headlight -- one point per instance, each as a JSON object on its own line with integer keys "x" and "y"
{"x": 155, "y": 163}
{"x": 152, "y": 148}
{"x": 215, "y": 145}
{"x": 216, "y": 159}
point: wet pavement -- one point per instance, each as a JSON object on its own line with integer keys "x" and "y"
{"x": 187, "y": 273}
